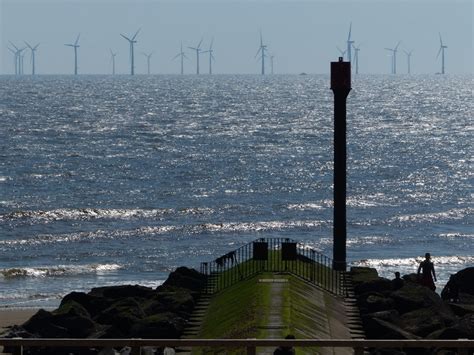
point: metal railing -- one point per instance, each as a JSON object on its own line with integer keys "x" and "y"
{"x": 460, "y": 346}
{"x": 272, "y": 255}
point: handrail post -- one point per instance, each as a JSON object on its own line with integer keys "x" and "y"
{"x": 19, "y": 349}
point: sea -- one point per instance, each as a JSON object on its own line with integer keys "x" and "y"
{"x": 108, "y": 180}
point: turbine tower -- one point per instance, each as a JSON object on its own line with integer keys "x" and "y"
{"x": 261, "y": 50}
{"x": 408, "y": 53}
{"x": 349, "y": 44}
{"x": 394, "y": 57}
{"x": 15, "y": 61}
{"x": 198, "y": 51}
{"x": 33, "y": 50}
{"x": 148, "y": 57}
{"x": 132, "y": 41}
{"x": 442, "y": 47}
{"x": 356, "y": 58}
{"x": 18, "y": 58}
{"x": 271, "y": 62}
{"x": 75, "y": 46}
{"x": 182, "y": 55}
{"x": 112, "y": 59}
{"x": 211, "y": 56}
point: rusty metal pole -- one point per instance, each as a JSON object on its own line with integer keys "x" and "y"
{"x": 340, "y": 85}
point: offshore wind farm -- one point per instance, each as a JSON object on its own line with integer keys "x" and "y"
{"x": 172, "y": 132}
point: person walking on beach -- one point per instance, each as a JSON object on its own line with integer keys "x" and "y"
{"x": 427, "y": 272}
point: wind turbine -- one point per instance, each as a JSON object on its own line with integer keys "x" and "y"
{"x": 211, "y": 56}
{"x": 75, "y": 46}
{"x": 15, "y": 61}
{"x": 442, "y": 47}
{"x": 18, "y": 58}
{"x": 33, "y": 50}
{"x": 394, "y": 57}
{"x": 148, "y": 57}
{"x": 182, "y": 55}
{"x": 408, "y": 53}
{"x": 198, "y": 50}
{"x": 132, "y": 41}
{"x": 112, "y": 59}
{"x": 349, "y": 44}
{"x": 261, "y": 50}
{"x": 343, "y": 52}
{"x": 271, "y": 62}
{"x": 356, "y": 57}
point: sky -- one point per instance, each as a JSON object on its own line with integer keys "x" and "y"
{"x": 302, "y": 35}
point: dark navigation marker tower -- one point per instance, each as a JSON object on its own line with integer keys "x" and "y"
{"x": 340, "y": 85}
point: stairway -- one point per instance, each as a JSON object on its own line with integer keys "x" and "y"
{"x": 352, "y": 310}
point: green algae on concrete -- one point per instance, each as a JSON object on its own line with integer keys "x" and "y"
{"x": 251, "y": 309}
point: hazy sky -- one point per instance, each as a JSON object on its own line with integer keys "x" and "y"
{"x": 302, "y": 35}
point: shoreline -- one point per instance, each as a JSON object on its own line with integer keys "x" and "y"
{"x": 14, "y": 316}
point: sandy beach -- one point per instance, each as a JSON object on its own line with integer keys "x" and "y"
{"x": 13, "y": 316}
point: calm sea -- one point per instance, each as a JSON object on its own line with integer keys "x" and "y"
{"x": 110, "y": 180}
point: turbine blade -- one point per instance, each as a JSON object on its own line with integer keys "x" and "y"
{"x": 135, "y": 35}
{"x": 69, "y": 45}
{"x": 440, "y": 40}
{"x": 350, "y": 30}
{"x": 194, "y": 49}
{"x": 176, "y": 56}
{"x": 77, "y": 39}
{"x": 440, "y": 48}
{"x": 128, "y": 39}
{"x": 396, "y": 47}
{"x": 212, "y": 42}
{"x": 13, "y": 45}
{"x": 199, "y": 45}
{"x": 259, "y": 49}
{"x": 28, "y": 45}
{"x": 35, "y": 47}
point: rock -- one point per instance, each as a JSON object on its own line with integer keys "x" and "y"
{"x": 363, "y": 274}
{"x": 180, "y": 301}
{"x": 70, "y": 321}
{"x": 464, "y": 329}
{"x": 461, "y": 309}
{"x": 122, "y": 315}
{"x": 122, "y": 291}
{"x": 390, "y": 315}
{"x": 413, "y": 296}
{"x": 422, "y": 322}
{"x": 464, "y": 280}
{"x": 376, "y": 303}
{"x": 379, "y": 284}
{"x": 184, "y": 277}
{"x": 164, "y": 326}
{"x": 93, "y": 304}
{"x": 379, "y": 329}
{"x": 413, "y": 278}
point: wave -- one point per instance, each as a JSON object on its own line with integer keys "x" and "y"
{"x": 453, "y": 214}
{"x": 59, "y": 270}
{"x": 85, "y": 214}
{"x": 150, "y": 231}
{"x": 414, "y": 262}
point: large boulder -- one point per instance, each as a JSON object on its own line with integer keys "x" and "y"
{"x": 363, "y": 274}
{"x": 380, "y": 329}
{"x": 160, "y": 326}
{"x": 71, "y": 320}
{"x": 122, "y": 291}
{"x": 422, "y": 321}
{"x": 379, "y": 284}
{"x": 121, "y": 315}
{"x": 184, "y": 277}
{"x": 93, "y": 304}
{"x": 413, "y": 296}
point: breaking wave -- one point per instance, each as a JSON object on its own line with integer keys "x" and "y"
{"x": 453, "y": 214}
{"x": 414, "y": 262}
{"x": 229, "y": 227}
{"x": 59, "y": 270}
